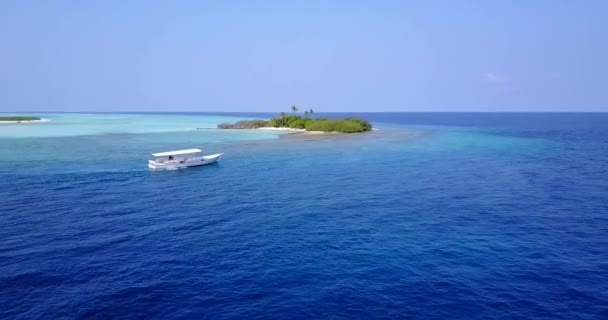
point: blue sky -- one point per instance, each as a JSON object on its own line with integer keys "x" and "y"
{"x": 326, "y": 55}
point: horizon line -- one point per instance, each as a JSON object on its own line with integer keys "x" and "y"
{"x": 290, "y": 112}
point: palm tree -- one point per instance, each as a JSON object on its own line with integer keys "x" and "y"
{"x": 310, "y": 112}
{"x": 306, "y": 113}
{"x": 294, "y": 108}
{"x": 283, "y": 120}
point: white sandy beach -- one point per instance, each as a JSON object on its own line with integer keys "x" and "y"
{"x": 292, "y": 130}
{"x": 282, "y": 129}
{"x": 27, "y": 121}
{"x": 299, "y": 131}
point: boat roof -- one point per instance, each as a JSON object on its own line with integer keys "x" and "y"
{"x": 176, "y": 152}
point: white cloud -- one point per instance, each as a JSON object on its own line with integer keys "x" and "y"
{"x": 495, "y": 77}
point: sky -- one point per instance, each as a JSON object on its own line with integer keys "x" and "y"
{"x": 512, "y": 55}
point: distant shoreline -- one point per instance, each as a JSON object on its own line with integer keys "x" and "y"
{"x": 281, "y": 129}
{"x": 25, "y": 121}
{"x": 298, "y": 131}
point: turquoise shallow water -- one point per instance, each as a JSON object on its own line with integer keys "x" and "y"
{"x": 80, "y": 124}
{"x": 465, "y": 216}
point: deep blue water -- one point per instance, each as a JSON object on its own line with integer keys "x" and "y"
{"x": 434, "y": 216}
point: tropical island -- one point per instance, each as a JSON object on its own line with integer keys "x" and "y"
{"x": 303, "y": 122}
{"x": 19, "y": 118}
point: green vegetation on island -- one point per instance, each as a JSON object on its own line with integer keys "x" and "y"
{"x": 19, "y": 118}
{"x": 244, "y": 124}
{"x": 306, "y": 122}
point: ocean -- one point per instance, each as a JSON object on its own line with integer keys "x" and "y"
{"x": 432, "y": 216}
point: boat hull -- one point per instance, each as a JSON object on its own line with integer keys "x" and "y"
{"x": 182, "y": 164}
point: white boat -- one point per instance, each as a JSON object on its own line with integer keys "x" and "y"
{"x": 180, "y": 159}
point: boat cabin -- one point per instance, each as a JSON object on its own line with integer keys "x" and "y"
{"x": 175, "y": 156}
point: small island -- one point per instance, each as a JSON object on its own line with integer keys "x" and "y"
{"x": 304, "y": 122}
{"x": 19, "y": 118}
